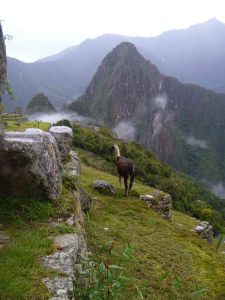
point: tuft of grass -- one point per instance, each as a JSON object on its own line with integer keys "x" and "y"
{"x": 168, "y": 250}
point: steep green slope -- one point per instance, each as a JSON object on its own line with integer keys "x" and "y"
{"x": 171, "y": 262}
{"x": 188, "y": 196}
{"x": 182, "y": 124}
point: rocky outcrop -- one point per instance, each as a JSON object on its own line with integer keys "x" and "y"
{"x": 3, "y": 67}
{"x": 30, "y": 164}
{"x": 159, "y": 202}
{"x": 104, "y": 186}
{"x": 205, "y": 230}
{"x": 63, "y": 136}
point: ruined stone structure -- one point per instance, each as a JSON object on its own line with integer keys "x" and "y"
{"x": 205, "y": 231}
{"x": 159, "y": 202}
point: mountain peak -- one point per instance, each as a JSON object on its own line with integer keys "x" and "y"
{"x": 123, "y": 81}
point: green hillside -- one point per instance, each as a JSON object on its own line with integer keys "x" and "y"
{"x": 188, "y": 196}
{"x": 169, "y": 261}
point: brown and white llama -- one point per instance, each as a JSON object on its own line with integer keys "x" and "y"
{"x": 125, "y": 168}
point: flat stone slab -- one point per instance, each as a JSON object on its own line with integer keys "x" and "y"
{"x": 63, "y": 259}
{"x": 66, "y": 241}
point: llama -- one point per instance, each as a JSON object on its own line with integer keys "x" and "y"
{"x": 125, "y": 168}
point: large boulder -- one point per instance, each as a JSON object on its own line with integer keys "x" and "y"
{"x": 30, "y": 164}
{"x": 104, "y": 186}
{"x": 63, "y": 136}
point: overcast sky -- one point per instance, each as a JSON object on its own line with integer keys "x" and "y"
{"x": 44, "y": 27}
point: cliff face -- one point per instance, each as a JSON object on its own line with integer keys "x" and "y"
{"x": 182, "y": 124}
{"x": 2, "y": 62}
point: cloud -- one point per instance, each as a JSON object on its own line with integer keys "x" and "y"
{"x": 53, "y": 118}
{"x": 161, "y": 101}
{"x": 192, "y": 141}
{"x": 218, "y": 189}
{"x": 125, "y": 130}
{"x": 161, "y": 116}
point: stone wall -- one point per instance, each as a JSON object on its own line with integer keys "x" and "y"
{"x": 159, "y": 202}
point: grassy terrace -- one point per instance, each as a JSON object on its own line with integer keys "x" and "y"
{"x": 195, "y": 269}
{"x": 26, "y": 221}
{"x": 13, "y": 123}
{"x": 21, "y": 126}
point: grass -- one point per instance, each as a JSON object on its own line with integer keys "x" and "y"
{"x": 20, "y": 273}
{"x": 26, "y": 221}
{"x": 21, "y": 126}
{"x": 172, "y": 261}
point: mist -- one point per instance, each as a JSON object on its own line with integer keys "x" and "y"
{"x": 192, "y": 141}
{"x": 160, "y": 103}
{"x": 53, "y": 118}
{"x": 219, "y": 190}
{"x": 125, "y": 130}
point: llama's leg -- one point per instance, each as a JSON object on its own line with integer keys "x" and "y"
{"x": 120, "y": 179}
{"x": 131, "y": 182}
{"x": 126, "y": 185}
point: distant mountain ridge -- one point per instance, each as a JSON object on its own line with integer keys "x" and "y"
{"x": 183, "y": 124}
{"x": 194, "y": 55}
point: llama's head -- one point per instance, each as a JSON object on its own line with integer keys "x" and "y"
{"x": 115, "y": 149}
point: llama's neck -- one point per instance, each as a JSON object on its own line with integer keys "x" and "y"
{"x": 117, "y": 151}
